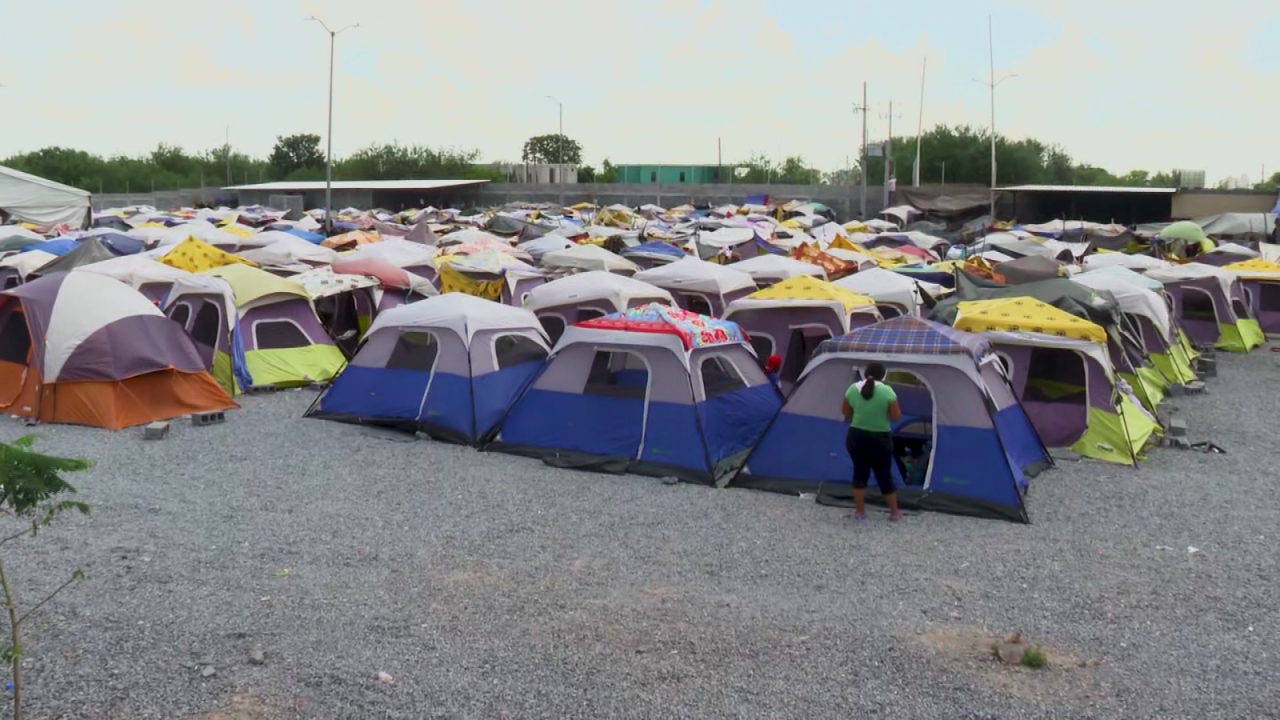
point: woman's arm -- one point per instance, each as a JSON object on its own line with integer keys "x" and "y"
{"x": 847, "y": 411}
{"x": 895, "y": 412}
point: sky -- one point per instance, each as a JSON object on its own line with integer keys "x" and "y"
{"x": 1123, "y": 84}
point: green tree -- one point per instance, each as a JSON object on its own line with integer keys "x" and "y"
{"x": 30, "y": 487}
{"x": 608, "y": 172}
{"x": 552, "y": 149}
{"x": 586, "y": 174}
{"x": 296, "y": 152}
{"x": 1271, "y": 183}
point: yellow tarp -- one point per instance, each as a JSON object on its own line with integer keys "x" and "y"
{"x": 453, "y": 280}
{"x": 807, "y": 287}
{"x": 353, "y": 238}
{"x": 249, "y": 283}
{"x": 1256, "y": 267}
{"x": 196, "y": 256}
{"x": 1024, "y": 314}
{"x": 237, "y": 229}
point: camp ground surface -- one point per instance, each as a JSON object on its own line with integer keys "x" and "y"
{"x": 490, "y": 586}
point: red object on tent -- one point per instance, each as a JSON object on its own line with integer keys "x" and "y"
{"x": 388, "y": 275}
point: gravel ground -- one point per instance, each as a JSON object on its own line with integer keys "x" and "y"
{"x": 489, "y": 586}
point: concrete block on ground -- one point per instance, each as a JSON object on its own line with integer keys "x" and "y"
{"x": 209, "y": 418}
{"x": 157, "y": 430}
{"x": 1180, "y": 443}
{"x": 1194, "y": 387}
{"x": 1208, "y": 367}
{"x": 1177, "y": 426}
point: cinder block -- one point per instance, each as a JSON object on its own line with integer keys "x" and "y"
{"x": 1179, "y": 443}
{"x": 1177, "y": 426}
{"x": 210, "y": 418}
{"x": 157, "y": 430}
{"x": 1208, "y": 367}
{"x": 1195, "y": 387}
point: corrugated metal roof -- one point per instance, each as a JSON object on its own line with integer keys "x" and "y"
{"x": 313, "y": 185}
{"x": 1089, "y": 189}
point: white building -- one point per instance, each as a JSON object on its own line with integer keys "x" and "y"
{"x": 538, "y": 173}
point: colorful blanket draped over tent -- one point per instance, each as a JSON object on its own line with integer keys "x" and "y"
{"x": 694, "y": 330}
{"x": 834, "y": 266}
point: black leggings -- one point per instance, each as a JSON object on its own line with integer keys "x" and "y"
{"x": 871, "y": 452}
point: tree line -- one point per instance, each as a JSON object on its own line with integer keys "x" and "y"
{"x": 294, "y": 157}
{"x": 950, "y": 155}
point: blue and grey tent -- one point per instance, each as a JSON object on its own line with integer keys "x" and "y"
{"x": 972, "y": 444}
{"x": 653, "y": 390}
{"x": 450, "y": 365}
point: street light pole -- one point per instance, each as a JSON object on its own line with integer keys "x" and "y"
{"x": 328, "y": 165}
{"x": 559, "y": 142}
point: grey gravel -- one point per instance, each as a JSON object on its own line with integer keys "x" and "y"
{"x": 492, "y": 586}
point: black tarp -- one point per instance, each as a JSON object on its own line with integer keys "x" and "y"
{"x": 89, "y": 251}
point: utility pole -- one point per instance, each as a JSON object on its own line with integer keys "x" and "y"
{"x": 226, "y": 150}
{"x": 888, "y": 157}
{"x": 992, "y": 83}
{"x": 862, "y": 204}
{"x": 915, "y": 171}
{"x": 328, "y": 165}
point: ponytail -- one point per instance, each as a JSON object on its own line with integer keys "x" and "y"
{"x": 874, "y": 372}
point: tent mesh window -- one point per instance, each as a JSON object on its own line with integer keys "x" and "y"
{"x": 414, "y": 351}
{"x": 1241, "y": 310}
{"x": 181, "y": 314}
{"x": 512, "y": 350}
{"x": 279, "y": 335}
{"x": 763, "y": 345}
{"x": 12, "y": 282}
{"x": 1056, "y": 376}
{"x": 1269, "y": 299}
{"x": 697, "y": 304}
{"x": 804, "y": 342}
{"x": 1198, "y": 305}
{"x": 617, "y": 374}
{"x": 15, "y": 341}
{"x": 553, "y": 325}
{"x": 586, "y": 314}
{"x": 208, "y": 322}
{"x": 888, "y": 311}
{"x": 720, "y": 377}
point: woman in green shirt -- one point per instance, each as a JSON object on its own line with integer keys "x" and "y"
{"x": 869, "y": 408}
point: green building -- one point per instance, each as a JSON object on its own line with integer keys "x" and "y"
{"x": 674, "y": 174}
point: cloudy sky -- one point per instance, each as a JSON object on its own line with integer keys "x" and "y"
{"x": 1153, "y": 84}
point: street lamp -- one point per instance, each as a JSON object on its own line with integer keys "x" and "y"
{"x": 559, "y": 142}
{"x": 328, "y": 165}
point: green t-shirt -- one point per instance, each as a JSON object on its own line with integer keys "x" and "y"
{"x": 870, "y": 415}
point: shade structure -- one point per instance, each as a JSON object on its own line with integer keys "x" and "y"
{"x": 653, "y": 390}
{"x": 1073, "y": 396}
{"x": 563, "y": 302}
{"x": 959, "y": 415}
{"x": 449, "y": 365}
{"x": 40, "y": 201}
{"x": 792, "y": 318}
{"x": 700, "y": 286}
{"x": 84, "y": 349}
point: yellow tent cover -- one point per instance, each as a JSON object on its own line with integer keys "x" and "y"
{"x": 1257, "y": 267}
{"x": 250, "y": 283}
{"x": 1024, "y": 314}
{"x": 195, "y": 256}
{"x": 582, "y": 206}
{"x": 237, "y": 229}
{"x": 807, "y": 287}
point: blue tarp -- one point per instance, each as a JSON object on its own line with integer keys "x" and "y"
{"x": 314, "y": 238}
{"x": 57, "y": 246}
{"x": 654, "y": 248}
{"x": 121, "y": 244}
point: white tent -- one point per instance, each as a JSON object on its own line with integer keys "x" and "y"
{"x": 888, "y": 287}
{"x": 769, "y": 269}
{"x": 588, "y": 257}
{"x": 43, "y": 202}
{"x": 622, "y": 291}
{"x": 696, "y": 275}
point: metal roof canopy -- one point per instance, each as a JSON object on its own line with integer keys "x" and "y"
{"x": 314, "y": 185}
{"x": 1088, "y": 189}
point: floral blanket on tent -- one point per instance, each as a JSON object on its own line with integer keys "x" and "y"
{"x": 835, "y": 267}
{"x": 694, "y": 330}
